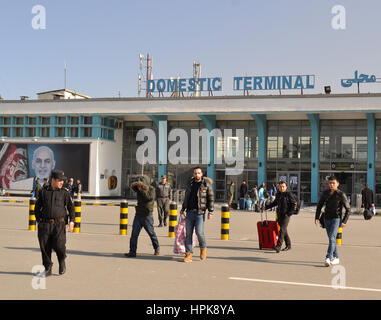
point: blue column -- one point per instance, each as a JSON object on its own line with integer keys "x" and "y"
{"x": 371, "y": 150}
{"x": 261, "y": 122}
{"x": 96, "y": 129}
{"x": 161, "y": 123}
{"x": 210, "y": 123}
{"x": 315, "y": 143}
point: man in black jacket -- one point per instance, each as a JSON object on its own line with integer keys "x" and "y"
{"x": 199, "y": 197}
{"x": 286, "y": 205}
{"x": 143, "y": 216}
{"x": 367, "y": 197}
{"x": 334, "y": 200}
{"x": 53, "y": 203}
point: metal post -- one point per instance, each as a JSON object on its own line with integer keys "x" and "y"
{"x": 77, "y": 219}
{"x": 32, "y": 216}
{"x": 172, "y": 219}
{"x": 339, "y": 236}
{"x": 225, "y": 217}
{"x": 123, "y": 217}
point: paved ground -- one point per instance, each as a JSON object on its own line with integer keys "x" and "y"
{"x": 234, "y": 269}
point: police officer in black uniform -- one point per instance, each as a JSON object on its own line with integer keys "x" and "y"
{"x": 53, "y": 208}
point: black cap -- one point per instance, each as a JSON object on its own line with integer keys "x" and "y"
{"x": 58, "y": 174}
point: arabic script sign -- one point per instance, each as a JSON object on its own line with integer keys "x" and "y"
{"x": 362, "y": 78}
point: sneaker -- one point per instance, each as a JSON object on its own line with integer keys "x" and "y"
{"x": 335, "y": 261}
{"x": 327, "y": 262}
{"x": 157, "y": 252}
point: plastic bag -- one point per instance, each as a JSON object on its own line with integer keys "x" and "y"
{"x": 180, "y": 234}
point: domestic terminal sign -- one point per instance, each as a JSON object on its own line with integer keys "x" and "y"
{"x": 285, "y": 82}
{"x": 185, "y": 85}
{"x": 282, "y": 82}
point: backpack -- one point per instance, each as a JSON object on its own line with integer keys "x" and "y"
{"x": 297, "y": 207}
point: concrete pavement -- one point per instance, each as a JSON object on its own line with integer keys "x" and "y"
{"x": 234, "y": 269}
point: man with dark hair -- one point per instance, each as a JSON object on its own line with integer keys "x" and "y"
{"x": 52, "y": 207}
{"x": 367, "y": 197}
{"x": 334, "y": 201}
{"x": 286, "y": 205}
{"x": 199, "y": 197}
{"x": 143, "y": 216}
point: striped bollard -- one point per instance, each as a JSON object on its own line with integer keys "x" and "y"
{"x": 172, "y": 219}
{"x": 225, "y": 216}
{"x": 339, "y": 236}
{"x": 77, "y": 219}
{"x": 32, "y": 216}
{"x": 123, "y": 218}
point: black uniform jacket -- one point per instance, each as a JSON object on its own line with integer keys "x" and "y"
{"x": 54, "y": 204}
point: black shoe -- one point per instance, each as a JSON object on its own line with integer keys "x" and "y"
{"x": 165, "y": 224}
{"x": 160, "y": 225}
{"x": 130, "y": 255}
{"x": 62, "y": 268}
{"x": 286, "y": 248}
{"x": 277, "y": 249}
{"x": 48, "y": 270}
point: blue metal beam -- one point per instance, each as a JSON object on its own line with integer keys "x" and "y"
{"x": 315, "y": 143}
{"x": 371, "y": 150}
{"x": 210, "y": 123}
{"x": 261, "y": 122}
{"x": 161, "y": 123}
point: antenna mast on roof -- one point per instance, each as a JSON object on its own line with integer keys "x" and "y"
{"x": 148, "y": 75}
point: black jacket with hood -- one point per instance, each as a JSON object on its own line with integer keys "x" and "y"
{"x": 145, "y": 196}
{"x": 205, "y": 196}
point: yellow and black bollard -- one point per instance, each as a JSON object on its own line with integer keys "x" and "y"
{"x": 225, "y": 217}
{"x": 77, "y": 219}
{"x": 172, "y": 219}
{"x": 123, "y": 218}
{"x": 339, "y": 236}
{"x": 32, "y": 216}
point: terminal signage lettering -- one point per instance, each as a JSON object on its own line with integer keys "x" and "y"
{"x": 358, "y": 79}
{"x": 185, "y": 85}
{"x": 274, "y": 82}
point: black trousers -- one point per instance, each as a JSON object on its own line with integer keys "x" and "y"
{"x": 162, "y": 209}
{"x": 52, "y": 236}
{"x": 283, "y": 233}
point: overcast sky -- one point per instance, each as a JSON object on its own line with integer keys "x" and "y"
{"x": 101, "y": 41}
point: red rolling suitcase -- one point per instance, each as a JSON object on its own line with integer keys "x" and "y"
{"x": 268, "y": 232}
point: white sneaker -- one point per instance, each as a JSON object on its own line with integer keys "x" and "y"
{"x": 335, "y": 261}
{"x": 327, "y": 262}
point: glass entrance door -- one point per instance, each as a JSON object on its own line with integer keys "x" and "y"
{"x": 292, "y": 179}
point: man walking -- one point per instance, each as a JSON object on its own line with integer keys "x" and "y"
{"x": 231, "y": 188}
{"x": 334, "y": 201}
{"x": 52, "y": 207}
{"x": 367, "y": 197}
{"x": 286, "y": 205}
{"x": 199, "y": 197}
{"x": 163, "y": 198}
{"x": 143, "y": 216}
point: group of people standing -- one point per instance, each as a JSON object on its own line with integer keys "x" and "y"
{"x": 251, "y": 198}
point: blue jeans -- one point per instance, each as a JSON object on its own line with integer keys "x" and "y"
{"x": 194, "y": 221}
{"x": 146, "y": 223}
{"x": 332, "y": 226}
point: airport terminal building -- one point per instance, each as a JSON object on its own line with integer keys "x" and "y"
{"x": 301, "y": 138}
